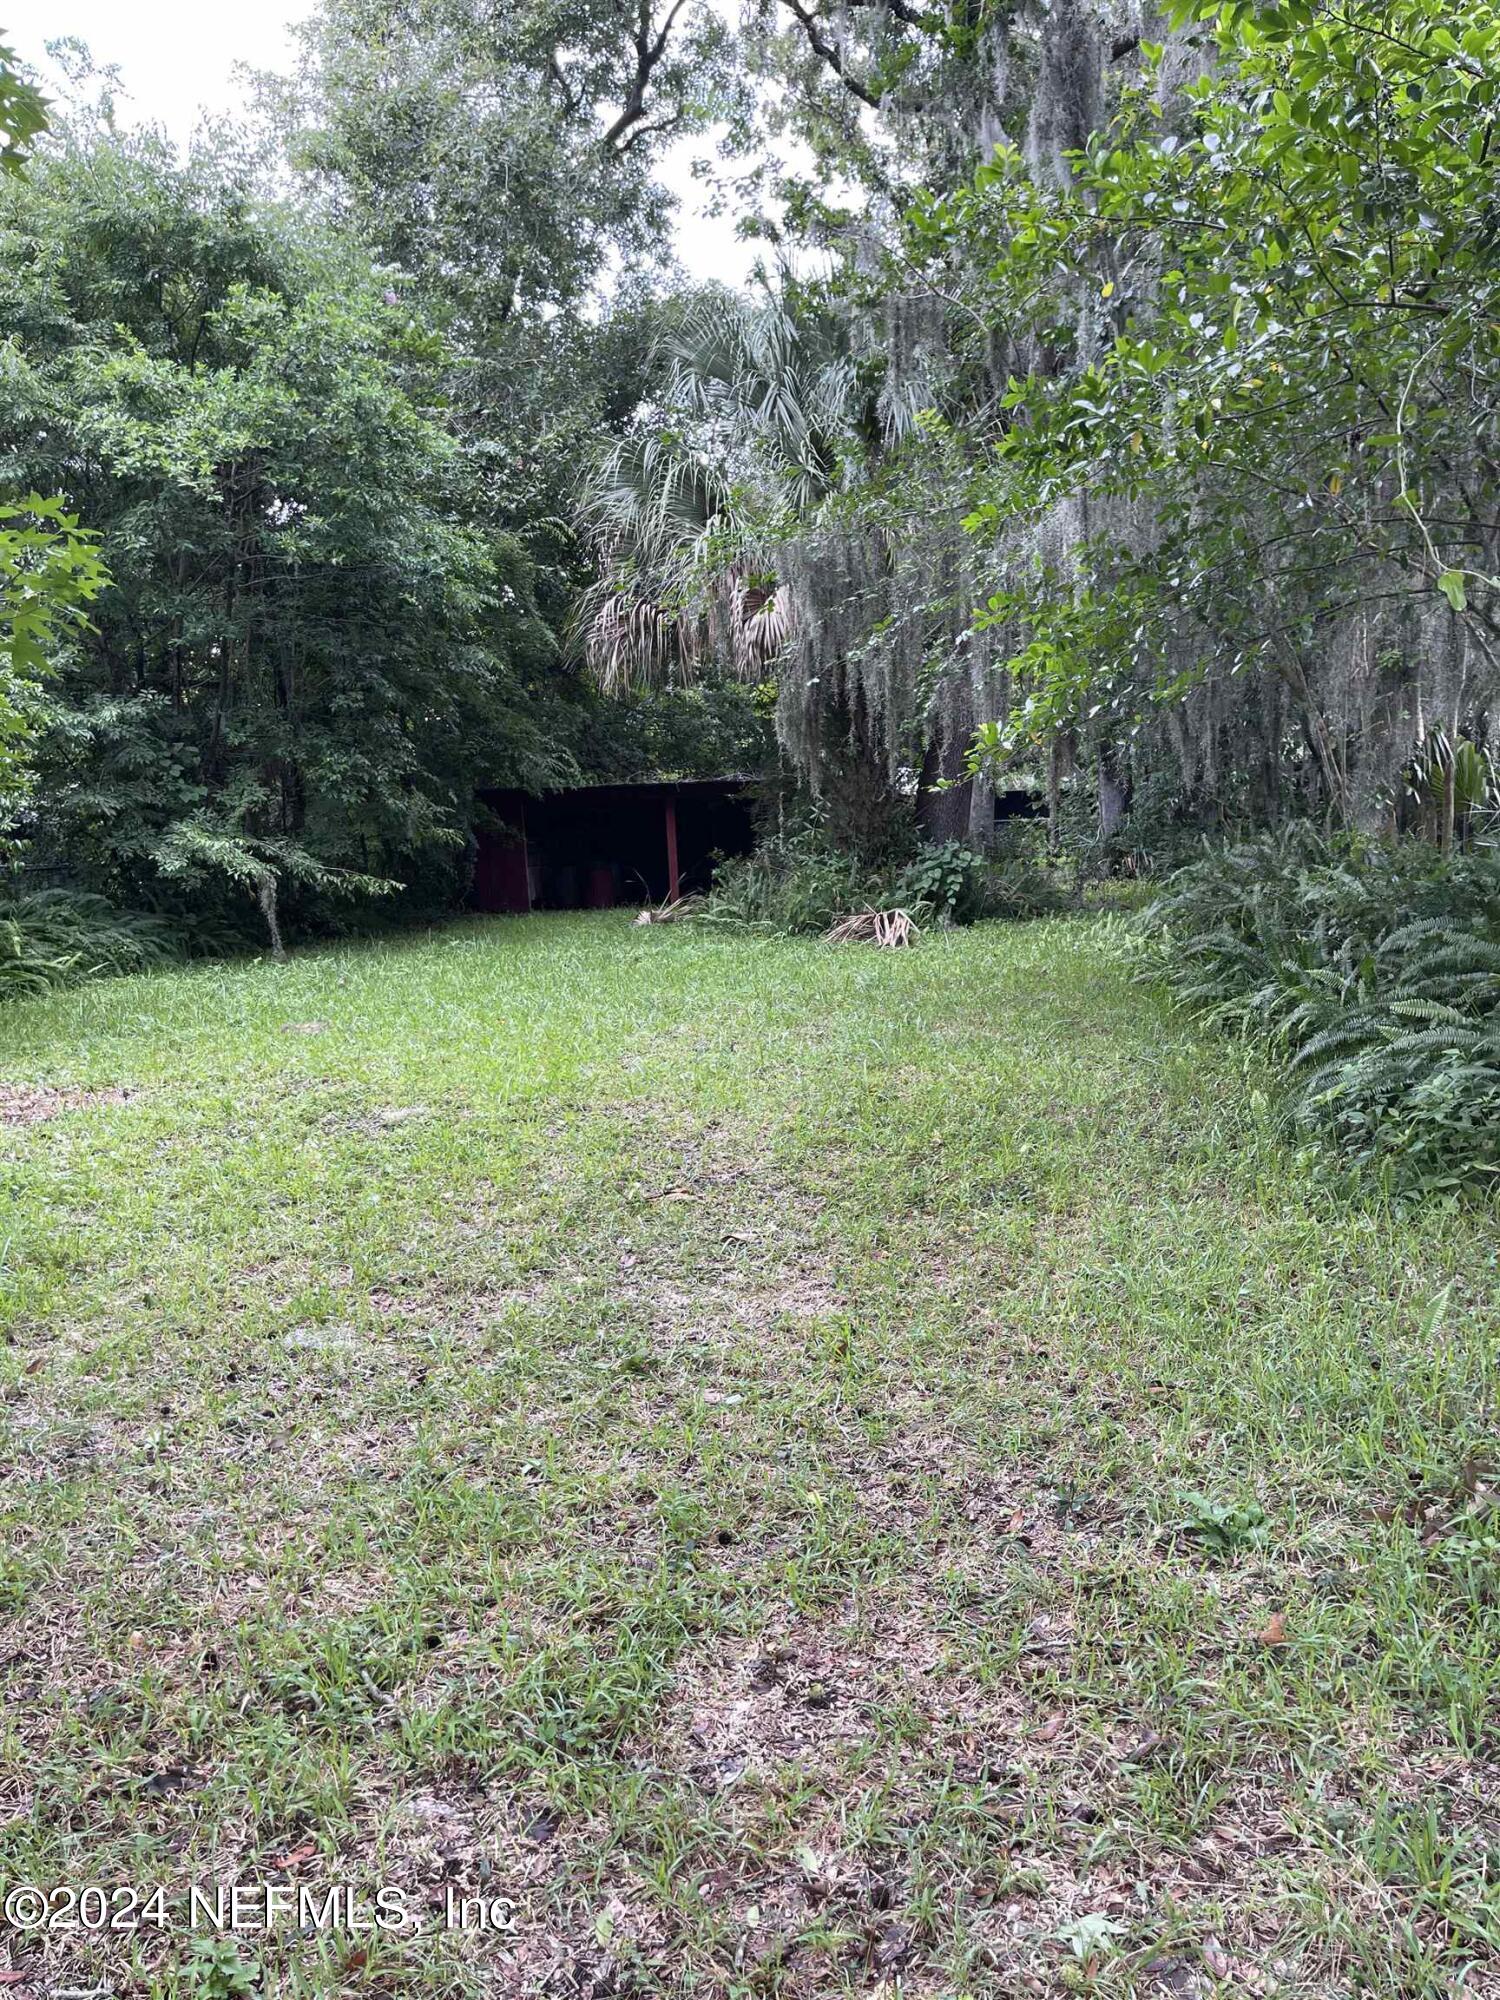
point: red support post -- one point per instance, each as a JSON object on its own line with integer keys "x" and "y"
{"x": 674, "y": 884}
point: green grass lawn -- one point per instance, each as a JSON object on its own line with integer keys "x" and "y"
{"x": 695, "y": 1437}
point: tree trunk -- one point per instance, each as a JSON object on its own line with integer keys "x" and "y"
{"x": 1114, "y": 794}
{"x": 1054, "y": 793}
{"x": 265, "y": 895}
{"x": 944, "y": 814}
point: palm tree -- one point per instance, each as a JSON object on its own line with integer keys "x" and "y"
{"x": 763, "y": 402}
{"x": 731, "y": 533}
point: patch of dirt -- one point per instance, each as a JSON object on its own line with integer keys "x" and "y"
{"x": 789, "y": 1730}
{"x": 801, "y": 1692}
{"x": 28, "y": 1103}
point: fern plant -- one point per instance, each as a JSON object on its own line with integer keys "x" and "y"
{"x": 56, "y": 937}
{"x": 1374, "y": 971}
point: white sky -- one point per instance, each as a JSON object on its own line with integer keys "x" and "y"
{"x": 177, "y": 57}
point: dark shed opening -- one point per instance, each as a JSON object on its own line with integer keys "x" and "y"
{"x": 1019, "y": 805}
{"x": 594, "y": 846}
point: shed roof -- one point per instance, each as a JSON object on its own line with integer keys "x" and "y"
{"x": 634, "y": 788}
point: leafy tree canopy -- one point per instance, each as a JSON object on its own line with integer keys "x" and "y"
{"x": 23, "y": 113}
{"x": 49, "y": 572}
{"x": 312, "y": 650}
{"x": 1278, "y": 312}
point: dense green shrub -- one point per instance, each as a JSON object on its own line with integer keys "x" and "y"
{"x": 800, "y": 884}
{"x": 1015, "y": 887}
{"x": 1374, "y": 969}
{"x": 795, "y": 883}
{"x": 54, "y": 937}
{"x": 945, "y": 880}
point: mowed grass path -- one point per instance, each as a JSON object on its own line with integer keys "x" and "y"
{"x": 690, "y": 1435}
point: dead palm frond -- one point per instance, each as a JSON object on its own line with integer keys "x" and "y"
{"x": 670, "y": 912}
{"x": 889, "y": 930}
{"x": 631, "y": 640}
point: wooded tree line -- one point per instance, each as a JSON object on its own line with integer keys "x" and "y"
{"x": 1138, "y": 435}
{"x": 311, "y": 407}
{"x": 1114, "y": 415}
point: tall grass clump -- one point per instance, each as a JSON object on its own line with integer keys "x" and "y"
{"x": 1372, "y": 970}
{"x": 58, "y": 937}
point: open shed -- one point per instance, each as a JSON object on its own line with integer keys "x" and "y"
{"x": 591, "y": 847}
